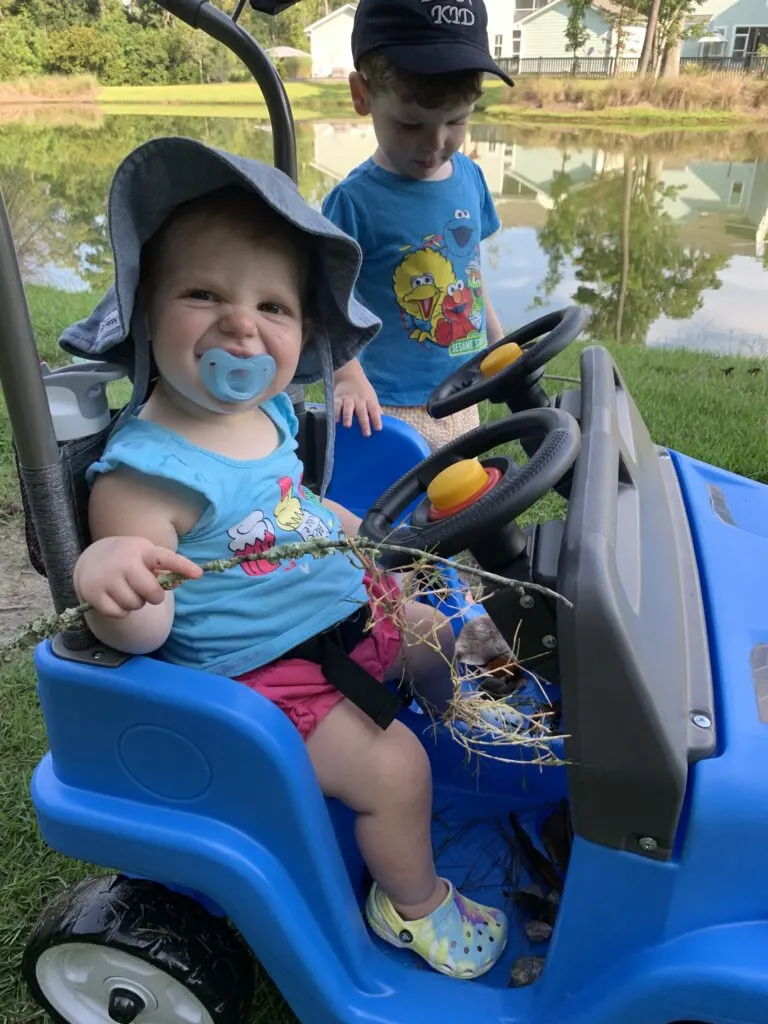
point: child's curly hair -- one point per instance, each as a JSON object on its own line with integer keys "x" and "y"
{"x": 430, "y": 91}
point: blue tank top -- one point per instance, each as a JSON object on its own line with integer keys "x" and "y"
{"x": 235, "y": 621}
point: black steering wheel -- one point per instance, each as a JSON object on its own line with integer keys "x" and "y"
{"x": 540, "y": 341}
{"x": 509, "y": 492}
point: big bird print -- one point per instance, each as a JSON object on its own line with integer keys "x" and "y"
{"x": 420, "y": 283}
{"x": 256, "y": 534}
{"x": 292, "y": 516}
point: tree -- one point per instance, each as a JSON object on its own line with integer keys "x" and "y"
{"x": 134, "y": 41}
{"x": 649, "y": 42}
{"x": 576, "y": 32}
{"x": 148, "y": 14}
{"x": 672, "y": 50}
{"x": 668, "y": 25}
{"x": 288, "y": 28}
{"x": 677, "y": 22}
{"x": 53, "y": 15}
{"x": 83, "y": 50}
{"x": 619, "y": 21}
{"x": 20, "y": 48}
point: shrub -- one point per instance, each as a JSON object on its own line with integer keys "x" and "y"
{"x": 82, "y": 49}
{"x": 20, "y": 44}
{"x": 688, "y": 92}
{"x": 294, "y": 67}
{"x": 67, "y": 88}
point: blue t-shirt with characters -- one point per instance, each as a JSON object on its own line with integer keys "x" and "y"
{"x": 421, "y": 271}
{"x": 233, "y": 622}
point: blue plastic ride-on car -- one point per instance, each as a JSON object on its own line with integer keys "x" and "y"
{"x": 634, "y": 873}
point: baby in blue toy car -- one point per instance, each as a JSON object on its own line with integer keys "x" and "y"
{"x": 227, "y": 287}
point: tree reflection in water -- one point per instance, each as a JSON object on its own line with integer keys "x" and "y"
{"x": 625, "y": 251}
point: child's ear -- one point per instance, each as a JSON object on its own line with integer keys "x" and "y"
{"x": 358, "y": 88}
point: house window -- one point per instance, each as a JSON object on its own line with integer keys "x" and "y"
{"x": 525, "y": 7}
{"x": 498, "y": 45}
{"x": 747, "y": 41}
{"x": 710, "y": 50}
{"x": 711, "y": 47}
{"x": 737, "y": 189}
{"x": 517, "y": 37}
{"x": 740, "y": 42}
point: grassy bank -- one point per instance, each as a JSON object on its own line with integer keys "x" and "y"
{"x": 624, "y": 118}
{"x": 713, "y": 408}
{"x": 705, "y": 100}
{"x": 697, "y": 99}
{"x": 708, "y": 101}
{"x": 50, "y": 89}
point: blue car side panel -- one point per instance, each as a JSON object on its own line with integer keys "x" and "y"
{"x": 724, "y": 851}
{"x": 259, "y": 781}
{"x": 716, "y": 975}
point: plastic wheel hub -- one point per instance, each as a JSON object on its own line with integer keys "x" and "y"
{"x": 125, "y": 1006}
{"x": 91, "y": 984}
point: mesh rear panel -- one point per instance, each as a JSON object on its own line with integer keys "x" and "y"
{"x": 77, "y": 456}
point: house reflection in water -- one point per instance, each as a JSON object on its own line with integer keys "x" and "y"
{"x": 664, "y": 239}
{"x": 718, "y": 205}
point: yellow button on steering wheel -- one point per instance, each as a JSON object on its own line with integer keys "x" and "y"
{"x": 457, "y": 484}
{"x": 500, "y": 358}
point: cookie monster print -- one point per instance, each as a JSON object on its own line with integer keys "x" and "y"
{"x": 460, "y": 235}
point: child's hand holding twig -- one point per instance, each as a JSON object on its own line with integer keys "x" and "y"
{"x": 118, "y": 575}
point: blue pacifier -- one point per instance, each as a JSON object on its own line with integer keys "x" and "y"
{"x": 234, "y": 379}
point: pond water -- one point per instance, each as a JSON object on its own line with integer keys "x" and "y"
{"x": 662, "y": 236}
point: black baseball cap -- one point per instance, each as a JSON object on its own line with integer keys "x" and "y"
{"x": 426, "y": 37}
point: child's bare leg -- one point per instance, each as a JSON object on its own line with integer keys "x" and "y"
{"x": 383, "y": 775}
{"x": 426, "y": 655}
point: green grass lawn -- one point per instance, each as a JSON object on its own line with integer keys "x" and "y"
{"x": 324, "y": 92}
{"x": 613, "y": 117}
{"x": 227, "y": 99}
{"x": 310, "y": 99}
{"x": 533, "y": 100}
{"x": 715, "y": 409}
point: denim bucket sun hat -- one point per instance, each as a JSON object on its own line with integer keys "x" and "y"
{"x": 149, "y": 184}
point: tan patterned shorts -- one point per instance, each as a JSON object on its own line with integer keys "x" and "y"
{"x": 436, "y": 432}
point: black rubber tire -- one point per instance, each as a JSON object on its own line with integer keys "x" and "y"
{"x": 173, "y": 932}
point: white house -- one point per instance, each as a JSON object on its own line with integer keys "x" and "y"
{"x": 330, "y": 37}
{"x": 503, "y": 42}
{"x": 734, "y": 28}
{"x": 542, "y": 32}
{"x": 330, "y": 43}
{"x": 517, "y": 29}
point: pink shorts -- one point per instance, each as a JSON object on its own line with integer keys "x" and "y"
{"x": 300, "y": 689}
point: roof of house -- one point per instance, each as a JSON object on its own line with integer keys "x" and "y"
{"x": 606, "y": 6}
{"x": 276, "y": 52}
{"x": 351, "y": 8}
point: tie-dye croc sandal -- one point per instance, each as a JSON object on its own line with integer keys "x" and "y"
{"x": 460, "y": 938}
